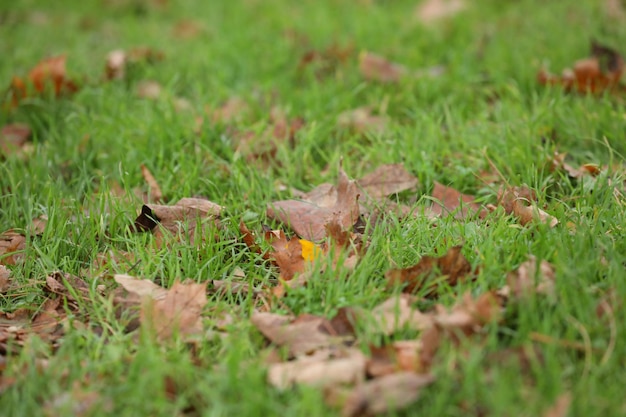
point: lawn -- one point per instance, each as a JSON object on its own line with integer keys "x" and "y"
{"x": 198, "y": 308}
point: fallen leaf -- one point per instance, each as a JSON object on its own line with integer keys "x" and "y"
{"x": 78, "y": 402}
{"x": 396, "y": 313}
{"x": 231, "y": 111}
{"x": 386, "y": 394}
{"x": 387, "y": 180}
{"x": 451, "y": 201}
{"x": 308, "y": 218}
{"x": 376, "y": 68}
{"x": 148, "y": 89}
{"x": 601, "y": 72}
{"x": 115, "y": 67}
{"x": 155, "y": 190}
{"x": 561, "y": 406}
{"x": 323, "y": 368}
{"x": 362, "y": 120}
{"x": 69, "y": 286}
{"x": 469, "y": 315}
{"x": 302, "y": 335}
{"x": 519, "y": 201}
{"x": 48, "y": 75}
{"x": 5, "y": 274}
{"x": 431, "y": 11}
{"x": 288, "y": 254}
{"x": 530, "y": 278}
{"x": 450, "y": 268}
{"x": 118, "y": 61}
{"x": 187, "y": 29}
{"x": 141, "y": 287}
{"x": 13, "y": 138}
{"x": 402, "y": 355}
{"x": 12, "y": 246}
{"x": 326, "y": 62}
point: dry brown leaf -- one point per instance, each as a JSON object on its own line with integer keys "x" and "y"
{"x": 78, "y": 402}
{"x": 601, "y": 72}
{"x": 178, "y": 312}
{"x": 469, "y": 315}
{"x": 13, "y": 138}
{"x": 376, "y": 68}
{"x": 323, "y": 368}
{"x": 452, "y": 201}
{"x": 430, "y": 11}
{"x": 187, "y": 29}
{"x": 287, "y": 254}
{"x": 12, "y": 245}
{"x": 155, "y": 190}
{"x": 530, "y": 278}
{"x": 362, "y": 120}
{"x": 148, "y": 89}
{"x": 141, "y": 287}
{"x": 402, "y": 355}
{"x": 387, "y": 180}
{"x": 452, "y": 266}
{"x": 48, "y": 75}
{"x": 325, "y": 62}
{"x": 396, "y": 313}
{"x": 5, "y": 274}
{"x": 115, "y": 66}
{"x": 386, "y": 394}
{"x": 561, "y": 406}
{"x": 615, "y": 9}
{"x": 302, "y": 335}
{"x": 517, "y": 201}
{"x": 66, "y": 285}
{"x": 309, "y": 217}
{"x": 234, "y": 109}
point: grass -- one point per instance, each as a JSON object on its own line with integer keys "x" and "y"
{"x": 487, "y": 106}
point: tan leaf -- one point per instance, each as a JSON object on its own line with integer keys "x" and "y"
{"x": 148, "y": 89}
{"x": 323, "y": 368}
{"x": 13, "y": 137}
{"x": 430, "y": 11}
{"x": 155, "y": 189}
{"x": 376, "y": 68}
{"x": 176, "y": 313}
{"x": 396, "y": 313}
{"x": 302, "y": 335}
{"x": 231, "y": 111}
{"x": 67, "y": 285}
{"x": 561, "y": 406}
{"x": 12, "y": 245}
{"x": 362, "y": 120}
{"x": 516, "y": 201}
{"x": 530, "y": 278}
{"x": 115, "y": 67}
{"x": 308, "y": 217}
{"x": 402, "y": 355}
{"x": 453, "y": 266}
{"x": 48, "y": 75}
{"x": 141, "y": 287}
{"x": 386, "y": 394}
{"x": 469, "y": 315}
{"x": 387, "y": 180}
{"x": 452, "y": 201}
{"x": 5, "y": 274}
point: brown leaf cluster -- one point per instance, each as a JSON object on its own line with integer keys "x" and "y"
{"x": 600, "y": 72}
{"x": 521, "y": 202}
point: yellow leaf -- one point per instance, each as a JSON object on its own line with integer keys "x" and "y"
{"x": 310, "y": 251}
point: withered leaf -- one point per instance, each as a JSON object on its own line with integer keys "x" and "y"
{"x": 13, "y": 137}
{"x": 376, "y": 68}
{"x": 148, "y": 89}
{"x": 469, "y": 315}
{"x": 178, "y": 312}
{"x": 308, "y": 217}
{"x": 287, "y": 254}
{"x": 431, "y": 11}
{"x": 453, "y": 266}
{"x": 12, "y": 245}
{"x": 387, "y": 180}
{"x": 325, "y": 367}
{"x": 48, "y": 75}
{"x": 531, "y": 278}
{"x": 396, "y": 313}
{"x": 5, "y": 274}
{"x": 67, "y": 285}
{"x": 402, "y": 355}
{"x": 561, "y": 406}
{"x": 141, "y": 287}
{"x": 231, "y": 111}
{"x": 362, "y": 120}
{"x": 451, "y": 201}
{"x": 302, "y": 335}
{"x": 517, "y": 201}
{"x": 155, "y": 189}
{"x": 385, "y": 394}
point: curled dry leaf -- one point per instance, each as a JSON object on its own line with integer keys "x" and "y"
{"x": 469, "y": 315}
{"x": 292, "y": 256}
{"x": 530, "y": 278}
{"x": 386, "y": 394}
{"x": 452, "y": 266}
{"x": 140, "y": 287}
{"x": 12, "y": 245}
{"x": 376, "y": 68}
{"x": 155, "y": 190}
{"x": 48, "y": 75}
{"x": 520, "y": 202}
{"x": 5, "y": 283}
{"x": 387, "y": 180}
{"x": 302, "y": 335}
{"x": 601, "y": 72}
{"x": 118, "y": 61}
{"x": 326, "y": 203}
{"x": 396, "y": 313}
{"x": 326, "y": 367}
{"x": 148, "y": 89}
{"x": 431, "y": 11}
{"x": 451, "y": 201}
{"x": 234, "y": 109}
{"x": 325, "y": 62}
{"x": 362, "y": 120}
{"x": 13, "y": 138}
{"x": 67, "y": 285}
{"x": 402, "y": 355}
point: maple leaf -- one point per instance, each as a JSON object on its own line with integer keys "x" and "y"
{"x": 288, "y": 254}
{"x": 308, "y": 217}
{"x": 520, "y": 202}
{"x": 13, "y": 138}
{"x": 451, "y": 201}
{"x": 452, "y": 266}
{"x": 376, "y": 68}
{"x": 302, "y": 335}
{"x": 385, "y": 394}
{"x": 601, "y": 72}
{"x": 48, "y": 75}
{"x": 326, "y": 367}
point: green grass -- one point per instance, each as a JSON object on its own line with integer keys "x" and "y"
{"x": 487, "y": 106}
